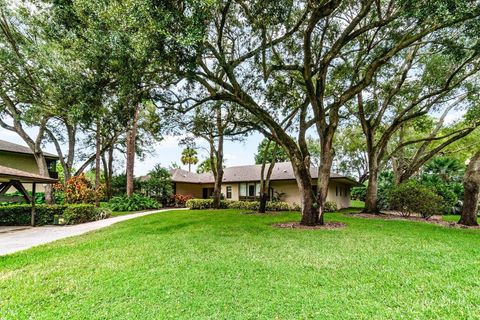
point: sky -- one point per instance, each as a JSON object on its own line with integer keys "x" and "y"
{"x": 167, "y": 151}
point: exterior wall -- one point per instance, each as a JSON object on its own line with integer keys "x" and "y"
{"x": 336, "y": 192}
{"x": 195, "y": 190}
{"x": 292, "y": 195}
{"x": 235, "y": 190}
{"x": 21, "y": 162}
{"x": 289, "y": 188}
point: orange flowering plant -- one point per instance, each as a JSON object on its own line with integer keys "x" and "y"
{"x": 78, "y": 189}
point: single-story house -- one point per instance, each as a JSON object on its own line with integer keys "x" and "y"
{"x": 19, "y": 157}
{"x": 243, "y": 183}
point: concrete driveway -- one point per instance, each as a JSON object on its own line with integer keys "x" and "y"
{"x": 13, "y": 239}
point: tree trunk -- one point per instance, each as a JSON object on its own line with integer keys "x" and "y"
{"x": 310, "y": 216}
{"x": 98, "y": 142}
{"x": 131, "y": 138}
{"x": 43, "y": 171}
{"x": 110, "y": 171}
{"x": 471, "y": 185}
{"x": 265, "y": 179}
{"x": 217, "y": 190}
{"x": 371, "y": 199}
{"x": 326, "y": 161}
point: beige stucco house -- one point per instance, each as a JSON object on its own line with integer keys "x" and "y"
{"x": 243, "y": 183}
{"x": 19, "y": 157}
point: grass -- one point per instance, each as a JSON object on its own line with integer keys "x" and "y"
{"x": 228, "y": 265}
{"x": 357, "y": 204}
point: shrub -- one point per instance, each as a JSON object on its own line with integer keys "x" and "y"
{"x": 134, "y": 203}
{"x": 277, "y": 206}
{"x": 79, "y": 190}
{"x": 331, "y": 206}
{"x": 359, "y": 193}
{"x": 102, "y": 213}
{"x": 79, "y": 213}
{"x": 20, "y": 214}
{"x": 411, "y": 197}
{"x": 200, "y": 204}
{"x": 244, "y": 205}
{"x": 158, "y": 185}
{"x": 180, "y": 200}
{"x": 296, "y": 207}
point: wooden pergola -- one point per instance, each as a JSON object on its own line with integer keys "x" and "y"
{"x": 15, "y": 178}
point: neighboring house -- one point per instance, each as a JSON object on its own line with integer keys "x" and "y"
{"x": 243, "y": 183}
{"x": 18, "y": 157}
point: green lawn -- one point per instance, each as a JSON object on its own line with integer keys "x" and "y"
{"x": 227, "y": 265}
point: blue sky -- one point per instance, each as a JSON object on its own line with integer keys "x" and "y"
{"x": 168, "y": 151}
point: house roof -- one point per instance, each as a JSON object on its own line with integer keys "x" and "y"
{"x": 17, "y": 148}
{"x": 7, "y": 174}
{"x": 281, "y": 171}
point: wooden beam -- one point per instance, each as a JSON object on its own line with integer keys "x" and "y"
{"x": 19, "y": 186}
{"x": 5, "y": 186}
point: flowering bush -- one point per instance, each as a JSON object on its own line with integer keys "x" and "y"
{"x": 180, "y": 200}
{"x": 79, "y": 190}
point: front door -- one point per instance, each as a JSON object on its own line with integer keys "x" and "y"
{"x": 205, "y": 193}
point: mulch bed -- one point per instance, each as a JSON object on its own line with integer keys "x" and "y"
{"x": 296, "y": 225}
{"x": 432, "y": 220}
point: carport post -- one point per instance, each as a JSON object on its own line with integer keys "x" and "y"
{"x": 33, "y": 204}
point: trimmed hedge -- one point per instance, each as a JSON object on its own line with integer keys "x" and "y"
{"x": 199, "y": 204}
{"x": 81, "y": 213}
{"x": 20, "y": 214}
{"x": 331, "y": 206}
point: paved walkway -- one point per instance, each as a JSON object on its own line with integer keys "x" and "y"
{"x": 17, "y": 239}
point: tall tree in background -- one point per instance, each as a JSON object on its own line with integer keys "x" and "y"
{"x": 24, "y": 84}
{"x": 189, "y": 157}
{"x": 205, "y": 166}
{"x": 216, "y": 123}
{"x": 268, "y": 150}
{"x": 404, "y": 93}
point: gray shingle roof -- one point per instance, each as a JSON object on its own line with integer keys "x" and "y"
{"x": 281, "y": 171}
{"x": 16, "y": 148}
{"x": 7, "y": 174}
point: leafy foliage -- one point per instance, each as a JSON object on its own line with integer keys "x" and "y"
{"x": 267, "y": 154}
{"x": 199, "y": 204}
{"x": 20, "y": 214}
{"x": 81, "y": 213}
{"x": 78, "y": 189}
{"x": 158, "y": 185}
{"x": 15, "y": 215}
{"x": 180, "y": 200}
{"x": 189, "y": 157}
{"x": 411, "y": 197}
{"x": 331, "y": 206}
{"x": 446, "y": 168}
{"x": 134, "y": 203}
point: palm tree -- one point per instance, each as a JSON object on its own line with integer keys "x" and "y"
{"x": 189, "y": 156}
{"x": 448, "y": 169}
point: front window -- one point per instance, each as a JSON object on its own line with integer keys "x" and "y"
{"x": 229, "y": 192}
{"x": 251, "y": 190}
